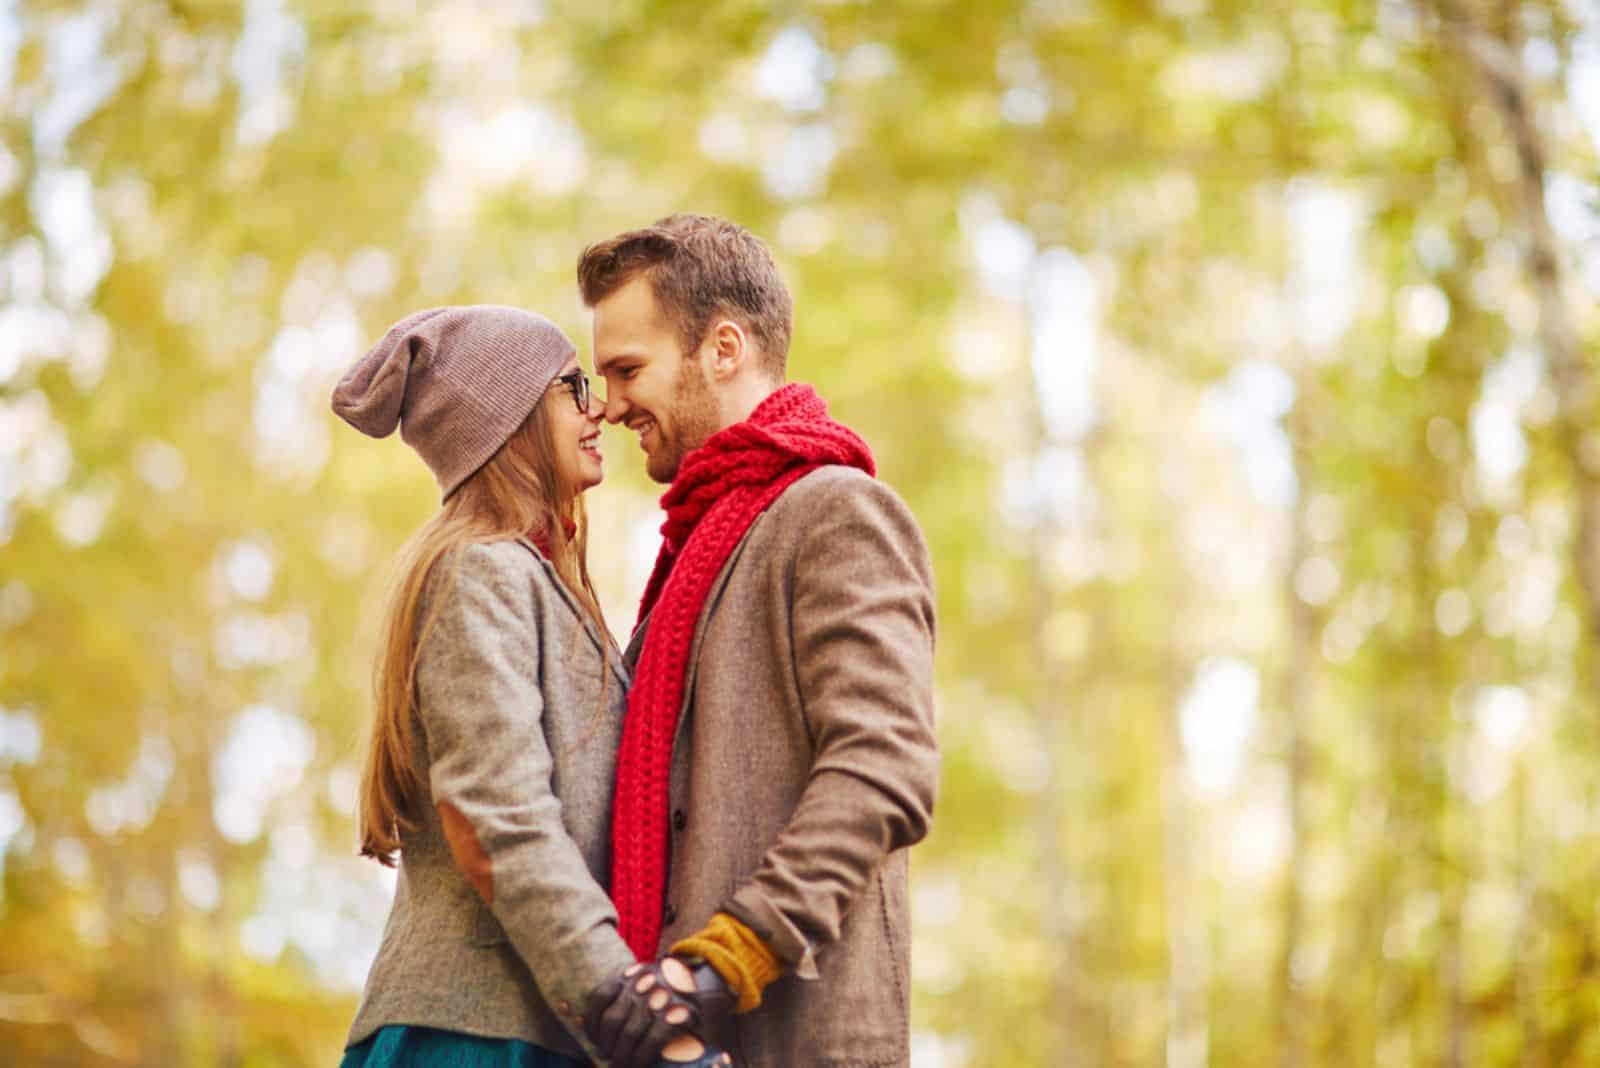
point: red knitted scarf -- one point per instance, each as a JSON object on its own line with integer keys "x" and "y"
{"x": 720, "y": 490}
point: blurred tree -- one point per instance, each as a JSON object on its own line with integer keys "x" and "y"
{"x": 1236, "y": 358}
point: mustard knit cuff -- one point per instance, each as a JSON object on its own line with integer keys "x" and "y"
{"x": 739, "y": 956}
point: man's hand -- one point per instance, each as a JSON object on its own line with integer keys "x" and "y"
{"x": 631, "y": 1017}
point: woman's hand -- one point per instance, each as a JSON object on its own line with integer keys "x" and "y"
{"x": 633, "y": 1016}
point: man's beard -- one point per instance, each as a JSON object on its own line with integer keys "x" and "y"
{"x": 694, "y": 419}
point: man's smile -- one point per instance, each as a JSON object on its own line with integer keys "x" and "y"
{"x": 642, "y": 427}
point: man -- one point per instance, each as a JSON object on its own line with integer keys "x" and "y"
{"x": 778, "y": 756}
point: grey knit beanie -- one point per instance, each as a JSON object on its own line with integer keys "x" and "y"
{"x": 456, "y": 381}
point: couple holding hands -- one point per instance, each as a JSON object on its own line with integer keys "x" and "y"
{"x": 692, "y": 851}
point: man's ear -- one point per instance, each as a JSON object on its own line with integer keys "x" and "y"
{"x": 730, "y": 348}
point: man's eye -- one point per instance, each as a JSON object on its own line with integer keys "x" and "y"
{"x": 628, "y": 373}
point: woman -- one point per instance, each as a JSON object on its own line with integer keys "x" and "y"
{"x": 498, "y": 697}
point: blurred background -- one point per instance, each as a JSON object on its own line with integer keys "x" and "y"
{"x": 1238, "y": 357}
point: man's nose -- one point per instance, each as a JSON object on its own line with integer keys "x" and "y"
{"x": 613, "y": 406}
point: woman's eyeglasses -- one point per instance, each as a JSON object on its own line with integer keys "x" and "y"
{"x": 578, "y": 383}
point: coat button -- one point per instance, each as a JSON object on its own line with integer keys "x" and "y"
{"x": 670, "y": 916}
{"x": 680, "y": 819}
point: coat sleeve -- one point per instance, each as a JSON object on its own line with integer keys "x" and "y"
{"x": 489, "y": 772}
{"x": 863, "y": 630}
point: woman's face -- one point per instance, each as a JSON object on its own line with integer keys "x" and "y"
{"x": 576, "y": 432}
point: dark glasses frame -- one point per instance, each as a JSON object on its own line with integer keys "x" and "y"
{"x": 578, "y": 383}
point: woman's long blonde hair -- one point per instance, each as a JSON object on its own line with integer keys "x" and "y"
{"x": 516, "y": 494}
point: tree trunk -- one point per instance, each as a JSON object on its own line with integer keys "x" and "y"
{"x": 1068, "y": 1017}
{"x": 1526, "y": 952}
{"x": 1293, "y": 695}
{"x": 1497, "y": 64}
{"x": 1188, "y": 970}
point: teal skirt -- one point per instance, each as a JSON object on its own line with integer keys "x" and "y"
{"x": 426, "y": 1047}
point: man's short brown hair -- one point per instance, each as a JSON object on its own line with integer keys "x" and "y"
{"x": 699, "y": 267}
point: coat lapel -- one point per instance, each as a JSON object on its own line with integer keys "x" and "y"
{"x": 600, "y": 642}
{"x": 630, "y": 656}
{"x": 697, "y": 645}
{"x": 718, "y": 587}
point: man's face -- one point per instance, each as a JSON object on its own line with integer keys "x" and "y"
{"x": 651, "y": 385}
